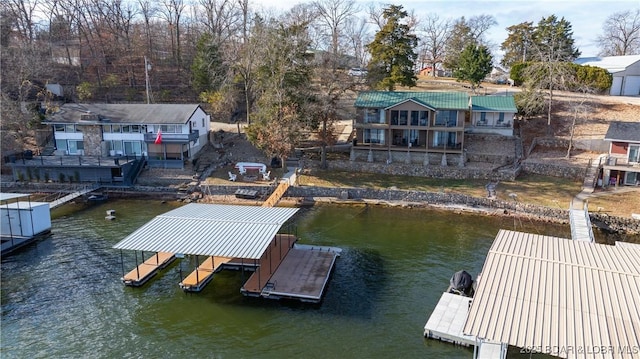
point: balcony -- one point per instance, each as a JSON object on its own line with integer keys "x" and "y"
{"x": 173, "y": 137}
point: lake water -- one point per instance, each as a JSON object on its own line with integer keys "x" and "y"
{"x": 62, "y": 296}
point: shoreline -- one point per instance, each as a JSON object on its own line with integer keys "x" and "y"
{"x": 306, "y": 197}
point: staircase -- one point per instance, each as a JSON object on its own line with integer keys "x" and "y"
{"x": 591, "y": 175}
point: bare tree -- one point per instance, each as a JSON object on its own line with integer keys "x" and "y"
{"x": 148, "y": 10}
{"x": 23, "y": 15}
{"x": 334, "y": 15}
{"x": 221, "y": 18}
{"x": 435, "y": 32}
{"x": 172, "y": 10}
{"x": 357, "y": 37}
{"x": 621, "y": 34}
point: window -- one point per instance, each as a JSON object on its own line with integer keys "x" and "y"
{"x": 404, "y": 117}
{"x": 116, "y": 128}
{"x": 132, "y": 148}
{"x": 634, "y": 154}
{"x": 373, "y": 136}
{"x": 202, "y": 122}
{"x": 483, "y": 118}
{"x": 424, "y": 117}
{"x": 444, "y": 139}
{"x": 446, "y": 118}
{"x": 394, "y": 117}
{"x": 59, "y": 128}
{"x": 414, "y": 118}
{"x": 501, "y": 117}
{"x": 70, "y": 128}
{"x": 372, "y": 115}
{"x": 170, "y": 129}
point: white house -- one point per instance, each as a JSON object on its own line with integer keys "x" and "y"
{"x": 624, "y": 69}
{"x": 492, "y": 114}
{"x": 110, "y": 130}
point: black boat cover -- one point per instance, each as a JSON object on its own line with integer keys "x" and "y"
{"x": 461, "y": 281}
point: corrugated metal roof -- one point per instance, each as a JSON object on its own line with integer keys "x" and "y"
{"x": 623, "y": 131}
{"x": 612, "y": 64}
{"x": 493, "y": 103}
{"x": 125, "y": 113}
{"x": 10, "y": 196}
{"x": 566, "y": 298}
{"x": 435, "y": 100}
{"x": 211, "y": 230}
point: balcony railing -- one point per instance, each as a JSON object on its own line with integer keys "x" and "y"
{"x": 173, "y": 137}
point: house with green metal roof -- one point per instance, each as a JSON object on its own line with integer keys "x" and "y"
{"x": 492, "y": 114}
{"x": 403, "y": 126}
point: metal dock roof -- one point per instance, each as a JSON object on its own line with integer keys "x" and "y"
{"x": 566, "y": 298}
{"x": 210, "y": 229}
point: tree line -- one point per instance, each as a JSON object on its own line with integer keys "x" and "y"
{"x": 282, "y": 73}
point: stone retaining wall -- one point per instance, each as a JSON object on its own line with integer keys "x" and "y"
{"x": 576, "y": 173}
{"x": 418, "y": 170}
{"x": 616, "y": 224}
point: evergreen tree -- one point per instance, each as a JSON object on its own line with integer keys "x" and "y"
{"x": 208, "y": 67}
{"x": 392, "y": 51}
{"x": 474, "y": 64}
{"x": 553, "y": 40}
{"x": 461, "y": 36}
{"x": 517, "y": 46}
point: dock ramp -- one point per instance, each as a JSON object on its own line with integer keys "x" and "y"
{"x": 70, "y": 197}
{"x": 581, "y": 228}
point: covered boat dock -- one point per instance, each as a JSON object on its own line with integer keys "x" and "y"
{"x": 21, "y": 220}
{"x": 557, "y": 296}
{"x": 238, "y": 237}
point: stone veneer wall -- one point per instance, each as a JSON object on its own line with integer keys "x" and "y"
{"x": 92, "y": 138}
{"x": 553, "y": 170}
{"x": 417, "y": 169}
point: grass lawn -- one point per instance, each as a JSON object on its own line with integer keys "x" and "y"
{"x": 533, "y": 189}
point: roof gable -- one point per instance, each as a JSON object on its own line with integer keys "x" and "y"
{"x": 623, "y": 131}
{"x": 434, "y": 100}
{"x": 610, "y": 63}
{"x": 493, "y": 104}
{"x": 147, "y": 114}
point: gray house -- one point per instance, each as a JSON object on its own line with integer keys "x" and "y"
{"x": 109, "y": 143}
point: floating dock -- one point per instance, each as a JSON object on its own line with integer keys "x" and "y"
{"x": 448, "y": 318}
{"x": 301, "y": 274}
{"x": 145, "y": 271}
{"x": 447, "y": 322}
{"x": 203, "y": 274}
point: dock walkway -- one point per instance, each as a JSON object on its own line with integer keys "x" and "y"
{"x": 581, "y": 229}
{"x": 70, "y": 197}
{"x": 142, "y": 273}
{"x": 198, "y": 279}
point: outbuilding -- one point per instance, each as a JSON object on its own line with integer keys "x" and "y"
{"x": 624, "y": 69}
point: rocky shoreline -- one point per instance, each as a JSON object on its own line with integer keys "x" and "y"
{"x": 310, "y": 195}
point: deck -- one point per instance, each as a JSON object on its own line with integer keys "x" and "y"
{"x": 143, "y": 272}
{"x": 198, "y": 279}
{"x": 292, "y": 272}
{"x": 447, "y": 322}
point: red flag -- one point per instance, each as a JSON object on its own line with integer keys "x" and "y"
{"x": 158, "y": 137}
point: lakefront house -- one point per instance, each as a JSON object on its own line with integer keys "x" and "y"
{"x": 425, "y": 126}
{"x": 110, "y": 143}
{"x": 622, "y": 166}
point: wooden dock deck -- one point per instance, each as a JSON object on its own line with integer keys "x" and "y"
{"x": 198, "y": 279}
{"x": 293, "y": 273}
{"x": 142, "y": 273}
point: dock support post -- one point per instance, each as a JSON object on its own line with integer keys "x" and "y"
{"x": 122, "y": 263}
{"x": 137, "y": 266}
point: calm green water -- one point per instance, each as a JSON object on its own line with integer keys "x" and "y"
{"x": 62, "y": 296}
